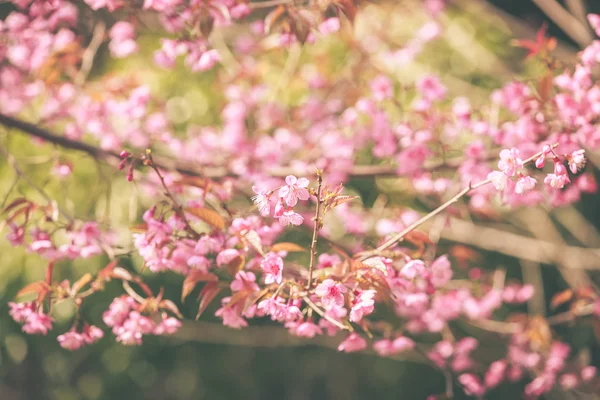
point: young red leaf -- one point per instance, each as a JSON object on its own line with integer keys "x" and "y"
{"x": 190, "y": 281}
{"x": 235, "y": 265}
{"x": 561, "y": 298}
{"x": 38, "y": 288}
{"x": 209, "y": 216}
{"x": 287, "y": 246}
{"x": 206, "y": 296}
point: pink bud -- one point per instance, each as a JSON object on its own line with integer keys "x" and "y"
{"x": 130, "y": 173}
{"x": 124, "y": 154}
{"x": 540, "y": 161}
{"x": 122, "y": 164}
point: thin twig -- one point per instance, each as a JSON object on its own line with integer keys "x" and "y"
{"x": 176, "y": 206}
{"x": 15, "y": 166}
{"x": 359, "y": 171}
{"x": 315, "y": 237}
{"x": 87, "y": 59}
{"x": 270, "y": 3}
{"x": 327, "y": 317}
{"x": 132, "y": 293}
{"x": 398, "y": 237}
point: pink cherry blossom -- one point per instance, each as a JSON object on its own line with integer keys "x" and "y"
{"x": 352, "y": 343}
{"x": 294, "y": 190}
{"x": 524, "y": 184}
{"x": 331, "y": 293}
{"x": 509, "y": 161}
{"x": 362, "y": 304}
{"x": 272, "y": 266}
{"x": 71, "y": 340}
{"x": 308, "y": 329}
{"x": 290, "y": 217}
{"x": 576, "y": 160}
{"x": 262, "y": 201}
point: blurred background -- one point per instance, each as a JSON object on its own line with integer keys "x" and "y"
{"x": 473, "y": 56}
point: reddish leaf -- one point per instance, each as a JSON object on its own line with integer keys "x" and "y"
{"x": 235, "y": 265}
{"x": 286, "y": 246}
{"x": 38, "y": 287}
{"x": 193, "y": 278}
{"x": 377, "y": 263}
{"x": 252, "y": 238}
{"x": 209, "y": 216}
{"x": 106, "y": 272}
{"x": 347, "y": 7}
{"x": 419, "y": 239}
{"x": 545, "y": 86}
{"x": 561, "y": 298}
{"x": 275, "y": 18}
{"x": 195, "y": 181}
{"x": 238, "y": 297}
{"x": 206, "y": 296}
{"x": 339, "y": 200}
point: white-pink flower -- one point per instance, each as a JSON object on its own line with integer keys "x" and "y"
{"x": 294, "y": 190}
{"x": 498, "y": 179}
{"x": 524, "y": 184}
{"x": 509, "y": 161}
{"x": 352, "y": 343}
{"x": 331, "y": 293}
{"x": 576, "y": 160}
{"x": 272, "y": 266}
{"x": 362, "y": 305}
{"x": 291, "y": 217}
{"x": 262, "y": 201}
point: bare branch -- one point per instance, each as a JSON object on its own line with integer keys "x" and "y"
{"x": 567, "y": 22}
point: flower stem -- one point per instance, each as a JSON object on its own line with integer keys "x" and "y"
{"x": 313, "y": 245}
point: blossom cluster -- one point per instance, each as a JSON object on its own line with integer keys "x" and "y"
{"x": 126, "y": 318}
{"x": 201, "y": 232}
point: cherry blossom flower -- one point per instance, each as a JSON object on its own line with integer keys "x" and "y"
{"x": 308, "y": 329}
{"x": 331, "y": 293}
{"x": 576, "y": 160}
{"x": 272, "y": 266}
{"x": 499, "y": 180}
{"x": 559, "y": 178}
{"x": 524, "y": 184}
{"x": 262, "y": 201}
{"x": 352, "y": 343}
{"x": 294, "y": 190}
{"x": 290, "y": 217}
{"x": 362, "y": 304}
{"x": 509, "y": 161}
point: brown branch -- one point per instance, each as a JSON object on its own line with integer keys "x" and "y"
{"x": 317, "y": 227}
{"x": 521, "y": 247}
{"x": 399, "y": 236}
{"x": 20, "y": 173}
{"x": 567, "y": 22}
{"x": 359, "y": 171}
{"x": 87, "y": 59}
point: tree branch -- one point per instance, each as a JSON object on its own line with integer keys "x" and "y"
{"x": 359, "y": 171}
{"x": 567, "y": 22}
{"x": 521, "y": 247}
